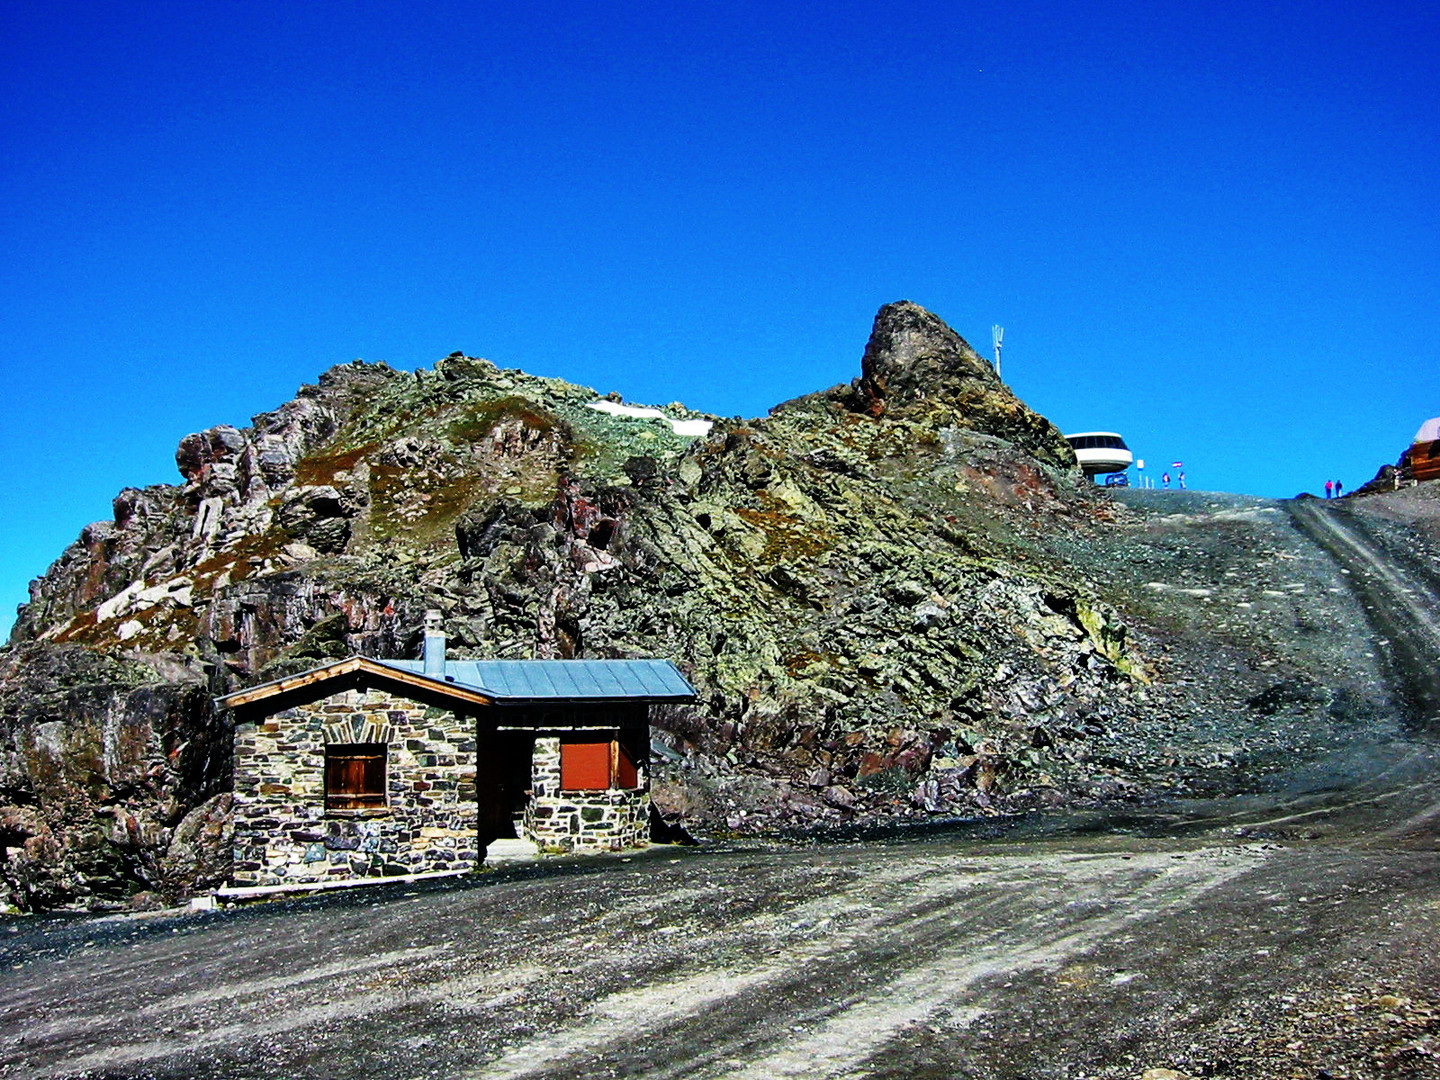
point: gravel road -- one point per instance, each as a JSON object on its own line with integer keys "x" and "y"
{"x": 1398, "y": 591}
{"x": 1274, "y": 935}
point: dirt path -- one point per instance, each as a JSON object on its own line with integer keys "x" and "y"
{"x": 918, "y": 959}
{"x": 1401, "y": 599}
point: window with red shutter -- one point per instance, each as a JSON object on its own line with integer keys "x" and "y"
{"x": 585, "y": 766}
{"x": 354, "y": 776}
{"x": 596, "y": 766}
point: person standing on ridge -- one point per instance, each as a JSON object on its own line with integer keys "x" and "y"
{"x": 1329, "y": 487}
{"x": 1181, "y": 479}
{"x": 1339, "y": 489}
{"x": 1165, "y": 479}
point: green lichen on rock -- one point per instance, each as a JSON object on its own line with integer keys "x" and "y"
{"x": 1108, "y": 634}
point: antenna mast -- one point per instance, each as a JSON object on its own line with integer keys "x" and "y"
{"x": 997, "y": 334}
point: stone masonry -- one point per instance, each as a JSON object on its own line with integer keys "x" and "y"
{"x": 582, "y": 821}
{"x": 283, "y": 833}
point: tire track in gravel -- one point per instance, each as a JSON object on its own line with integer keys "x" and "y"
{"x": 1401, "y": 602}
{"x": 841, "y": 1038}
{"x": 408, "y": 977}
{"x": 830, "y": 948}
{"x": 822, "y": 1007}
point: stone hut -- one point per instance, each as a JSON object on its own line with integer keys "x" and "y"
{"x": 368, "y": 768}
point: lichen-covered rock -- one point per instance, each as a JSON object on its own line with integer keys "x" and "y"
{"x": 854, "y": 584}
{"x": 104, "y": 759}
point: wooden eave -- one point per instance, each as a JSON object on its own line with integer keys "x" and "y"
{"x": 349, "y": 674}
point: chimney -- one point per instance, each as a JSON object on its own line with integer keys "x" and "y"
{"x": 434, "y": 644}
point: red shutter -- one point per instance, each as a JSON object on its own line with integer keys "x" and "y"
{"x": 585, "y": 766}
{"x": 626, "y": 775}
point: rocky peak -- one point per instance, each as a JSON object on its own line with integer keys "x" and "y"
{"x": 913, "y": 356}
{"x": 917, "y": 367}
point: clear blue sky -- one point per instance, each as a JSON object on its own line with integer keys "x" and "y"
{"x": 1212, "y": 227}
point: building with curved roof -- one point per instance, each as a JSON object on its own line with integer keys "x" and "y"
{"x": 1422, "y": 460}
{"x": 1100, "y": 452}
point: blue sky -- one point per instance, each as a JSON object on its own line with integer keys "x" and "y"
{"x": 1211, "y": 227}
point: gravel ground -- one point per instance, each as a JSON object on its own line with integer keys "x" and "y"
{"x": 1100, "y": 956}
{"x": 1263, "y": 657}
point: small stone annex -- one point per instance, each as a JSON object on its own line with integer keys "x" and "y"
{"x": 367, "y": 768}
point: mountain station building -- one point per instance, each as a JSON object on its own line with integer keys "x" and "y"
{"x": 366, "y": 768}
{"x": 1422, "y": 461}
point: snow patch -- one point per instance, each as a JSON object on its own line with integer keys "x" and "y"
{"x": 688, "y": 428}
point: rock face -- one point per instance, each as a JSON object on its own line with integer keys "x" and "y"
{"x": 915, "y": 365}
{"x": 116, "y": 784}
{"x": 853, "y": 583}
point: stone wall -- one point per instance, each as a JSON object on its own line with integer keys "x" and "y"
{"x": 284, "y": 834}
{"x": 583, "y": 821}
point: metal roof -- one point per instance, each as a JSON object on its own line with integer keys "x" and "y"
{"x": 563, "y": 680}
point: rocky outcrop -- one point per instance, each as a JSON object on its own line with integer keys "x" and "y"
{"x": 914, "y": 364}
{"x": 113, "y": 778}
{"x": 854, "y": 583}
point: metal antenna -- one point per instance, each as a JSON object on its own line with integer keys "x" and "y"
{"x": 997, "y": 334}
